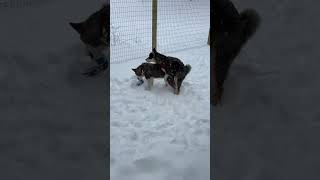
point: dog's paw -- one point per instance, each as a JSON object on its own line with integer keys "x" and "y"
{"x": 102, "y": 63}
{"x": 103, "y": 66}
{"x": 93, "y": 71}
{"x": 140, "y": 82}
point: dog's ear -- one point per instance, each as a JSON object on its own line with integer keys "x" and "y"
{"x": 105, "y": 9}
{"x": 77, "y": 26}
{"x": 106, "y": 3}
{"x": 134, "y": 70}
{"x": 154, "y": 50}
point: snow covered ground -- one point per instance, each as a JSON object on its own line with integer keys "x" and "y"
{"x": 269, "y": 123}
{"x": 156, "y": 134}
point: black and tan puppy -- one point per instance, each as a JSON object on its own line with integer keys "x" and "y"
{"x": 95, "y": 34}
{"x": 173, "y": 67}
{"x": 231, "y": 31}
{"x": 151, "y": 71}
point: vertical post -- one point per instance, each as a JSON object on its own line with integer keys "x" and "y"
{"x": 209, "y": 40}
{"x": 154, "y": 23}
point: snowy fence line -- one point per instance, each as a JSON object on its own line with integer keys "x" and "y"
{"x": 181, "y": 24}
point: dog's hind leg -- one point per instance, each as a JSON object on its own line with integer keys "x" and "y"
{"x": 151, "y": 80}
{"x": 166, "y": 79}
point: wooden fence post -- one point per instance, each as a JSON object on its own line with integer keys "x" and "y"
{"x": 154, "y": 23}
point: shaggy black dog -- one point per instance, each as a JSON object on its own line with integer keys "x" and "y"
{"x": 94, "y": 32}
{"x": 231, "y": 30}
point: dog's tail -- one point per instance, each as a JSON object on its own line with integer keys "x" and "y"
{"x": 251, "y": 20}
{"x": 187, "y": 69}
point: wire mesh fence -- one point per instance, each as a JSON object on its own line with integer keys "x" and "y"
{"x": 181, "y": 24}
{"x": 130, "y": 29}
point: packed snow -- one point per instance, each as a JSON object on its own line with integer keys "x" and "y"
{"x": 157, "y": 133}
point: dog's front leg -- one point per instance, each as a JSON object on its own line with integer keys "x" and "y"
{"x": 176, "y": 88}
{"x": 140, "y": 81}
{"x": 149, "y": 83}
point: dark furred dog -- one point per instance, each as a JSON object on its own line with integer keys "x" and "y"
{"x": 151, "y": 71}
{"x": 95, "y": 34}
{"x": 231, "y": 31}
{"x": 173, "y": 67}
